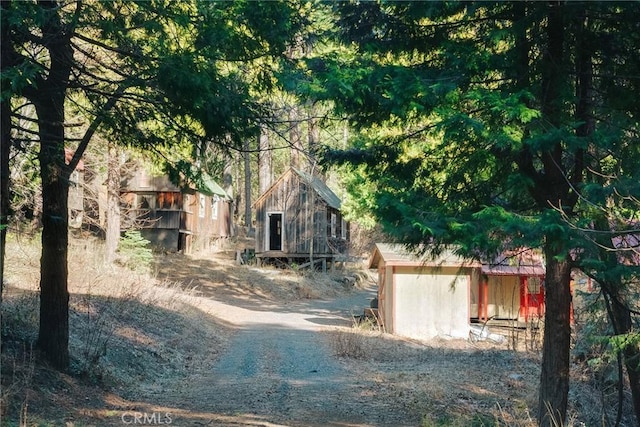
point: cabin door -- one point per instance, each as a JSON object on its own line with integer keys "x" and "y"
{"x": 275, "y": 231}
{"x": 531, "y": 297}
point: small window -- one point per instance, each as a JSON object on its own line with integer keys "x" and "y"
{"x": 343, "y": 229}
{"x": 214, "y": 207}
{"x": 168, "y": 200}
{"x": 334, "y": 223}
{"x": 146, "y": 201}
{"x": 201, "y": 210}
{"x": 144, "y": 179}
{"x": 74, "y": 179}
{"x": 533, "y": 285}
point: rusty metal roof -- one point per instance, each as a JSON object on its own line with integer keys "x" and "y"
{"x": 507, "y": 270}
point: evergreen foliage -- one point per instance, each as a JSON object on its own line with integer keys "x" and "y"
{"x": 486, "y": 126}
{"x": 135, "y": 251}
{"x": 493, "y": 126}
{"x": 150, "y": 74}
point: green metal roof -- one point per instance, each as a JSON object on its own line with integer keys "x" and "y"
{"x": 210, "y": 187}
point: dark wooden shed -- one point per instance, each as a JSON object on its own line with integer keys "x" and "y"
{"x": 174, "y": 218}
{"x": 298, "y": 220}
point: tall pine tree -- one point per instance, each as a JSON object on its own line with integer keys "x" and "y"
{"x": 148, "y": 74}
{"x": 481, "y": 123}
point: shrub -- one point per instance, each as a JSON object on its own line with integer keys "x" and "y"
{"x": 135, "y": 252}
{"x": 20, "y": 316}
{"x": 348, "y": 344}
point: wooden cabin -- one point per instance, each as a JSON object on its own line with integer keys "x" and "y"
{"x": 298, "y": 220}
{"x": 510, "y": 289}
{"x": 173, "y": 218}
{"x": 423, "y": 298}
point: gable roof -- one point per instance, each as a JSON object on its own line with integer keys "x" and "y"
{"x": 210, "y": 188}
{"x": 321, "y": 188}
{"x": 522, "y": 263}
{"x": 395, "y": 254}
{"x": 314, "y": 182}
{"x": 206, "y": 185}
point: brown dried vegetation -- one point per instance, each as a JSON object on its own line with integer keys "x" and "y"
{"x": 135, "y": 336}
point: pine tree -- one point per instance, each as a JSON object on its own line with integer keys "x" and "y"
{"x": 149, "y": 74}
{"x": 480, "y": 124}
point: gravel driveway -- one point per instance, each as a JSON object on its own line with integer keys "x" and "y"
{"x": 278, "y": 369}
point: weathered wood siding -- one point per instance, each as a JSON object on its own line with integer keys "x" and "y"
{"x": 291, "y": 198}
{"x": 306, "y": 217}
{"x": 210, "y": 218}
{"x": 177, "y": 219}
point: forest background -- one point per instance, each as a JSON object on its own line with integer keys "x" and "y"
{"x": 488, "y": 126}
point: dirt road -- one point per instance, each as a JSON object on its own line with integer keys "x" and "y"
{"x": 278, "y": 369}
{"x": 210, "y": 343}
{"x": 277, "y": 364}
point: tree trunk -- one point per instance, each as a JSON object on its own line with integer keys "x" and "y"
{"x": 265, "y": 177}
{"x": 53, "y": 336}
{"x": 554, "y": 377}
{"x": 296, "y": 139}
{"x": 620, "y": 317}
{"x": 112, "y": 229}
{"x": 314, "y": 143}
{"x": 5, "y": 148}
{"x": 618, "y": 309}
{"x": 246, "y": 156}
{"x": 552, "y": 190}
{"x": 49, "y": 100}
{"x": 227, "y": 183}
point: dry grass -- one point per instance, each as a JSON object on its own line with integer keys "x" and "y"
{"x": 206, "y": 275}
{"x": 349, "y": 344}
{"x": 464, "y": 383}
{"x": 132, "y": 333}
{"x": 126, "y": 331}
{"x": 449, "y": 382}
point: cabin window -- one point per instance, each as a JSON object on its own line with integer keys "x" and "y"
{"x": 214, "y": 207}
{"x": 168, "y": 200}
{"x": 533, "y": 285}
{"x": 146, "y": 201}
{"x": 334, "y": 224}
{"x": 303, "y": 194}
{"x": 201, "y": 209}
{"x": 74, "y": 179}
{"x": 163, "y": 200}
{"x": 144, "y": 179}
{"x": 343, "y": 229}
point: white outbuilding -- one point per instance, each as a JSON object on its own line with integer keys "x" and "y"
{"x": 423, "y": 298}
